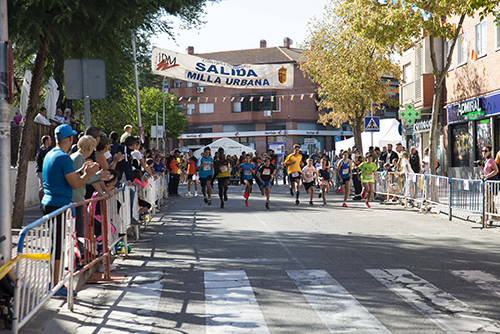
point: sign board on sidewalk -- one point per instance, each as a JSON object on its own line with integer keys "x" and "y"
{"x": 372, "y": 124}
{"x": 153, "y": 131}
{"x": 73, "y": 79}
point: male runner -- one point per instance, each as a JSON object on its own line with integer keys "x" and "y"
{"x": 266, "y": 174}
{"x": 191, "y": 172}
{"x": 221, "y": 165}
{"x": 294, "y": 164}
{"x": 247, "y": 170}
{"x": 206, "y": 171}
{"x": 344, "y": 172}
{"x": 368, "y": 169}
{"x": 309, "y": 177}
{"x": 324, "y": 178}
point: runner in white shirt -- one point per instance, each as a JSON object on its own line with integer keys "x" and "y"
{"x": 309, "y": 177}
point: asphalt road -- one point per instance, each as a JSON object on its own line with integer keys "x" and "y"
{"x": 296, "y": 269}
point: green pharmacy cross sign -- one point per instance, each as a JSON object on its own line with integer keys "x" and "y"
{"x": 409, "y": 114}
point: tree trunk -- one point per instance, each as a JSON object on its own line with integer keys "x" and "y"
{"x": 436, "y": 103}
{"x": 357, "y": 129}
{"x": 27, "y": 133}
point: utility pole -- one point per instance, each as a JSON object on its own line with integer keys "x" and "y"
{"x": 164, "y": 141}
{"x": 136, "y": 76}
{"x": 6, "y": 199}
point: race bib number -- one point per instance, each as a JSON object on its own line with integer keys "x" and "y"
{"x": 248, "y": 172}
{"x": 369, "y": 176}
{"x": 345, "y": 171}
{"x": 207, "y": 167}
{"x": 324, "y": 183}
{"x": 309, "y": 175}
{"x": 266, "y": 171}
{"x": 295, "y": 174}
{"x": 223, "y": 169}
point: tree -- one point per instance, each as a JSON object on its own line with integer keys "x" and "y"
{"x": 78, "y": 26}
{"x": 347, "y": 70}
{"x": 398, "y": 26}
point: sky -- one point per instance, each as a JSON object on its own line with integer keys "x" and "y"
{"x": 241, "y": 24}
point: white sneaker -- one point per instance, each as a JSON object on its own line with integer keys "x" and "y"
{"x": 195, "y": 194}
{"x": 189, "y": 193}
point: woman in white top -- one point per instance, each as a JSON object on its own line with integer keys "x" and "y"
{"x": 406, "y": 170}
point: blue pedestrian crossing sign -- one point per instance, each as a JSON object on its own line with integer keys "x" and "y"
{"x": 372, "y": 124}
{"x": 336, "y": 138}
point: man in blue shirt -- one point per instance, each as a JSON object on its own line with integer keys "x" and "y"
{"x": 205, "y": 166}
{"x": 59, "y": 180}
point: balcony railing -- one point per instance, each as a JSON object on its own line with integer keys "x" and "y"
{"x": 408, "y": 93}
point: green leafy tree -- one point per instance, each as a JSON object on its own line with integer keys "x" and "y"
{"x": 81, "y": 28}
{"x": 347, "y": 70}
{"x": 397, "y": 26}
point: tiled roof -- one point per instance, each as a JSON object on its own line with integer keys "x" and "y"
{"x": 256, "y": 56}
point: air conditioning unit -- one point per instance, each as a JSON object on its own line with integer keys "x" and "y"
{"x": 268, "y": 113}
{"x": 200, "y": 89}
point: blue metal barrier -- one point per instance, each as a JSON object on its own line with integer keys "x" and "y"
{"x": 467, "y": 195}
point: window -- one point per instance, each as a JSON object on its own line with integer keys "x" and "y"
{"x": 177, "y": 83}
{"x": 447, "y": 47}
{"x": 190, "y": 109}
{"x": 462, "y": 49}
{"x": 190, "y": 84}
{"x": 407, "y": 73}
{"x": 497, "y": 29}
{"x": 254, "y": 103}
{"x": 480, "y": 45}
{"x": 236, "y": 106}
{"x": 206, "y": 108}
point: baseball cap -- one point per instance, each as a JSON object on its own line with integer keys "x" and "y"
{"x": 64, "y": 131}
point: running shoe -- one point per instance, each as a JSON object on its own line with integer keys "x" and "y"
{"x": 367, "y": 204}
{"x": 222, "y": 205}
{"x": 297, "y": 202}
{"x": 225, "y": 197}
{"x": 245, "y": 195}
{"x": 246, "y": 203}
{"x": 319, "y": 195}
{"x": 291, "y": 192}
{"x": 195, "y": 193}
{"x": 267, "y": 205}
{"x": 205, "y": 200}
{"x": 311, "y": 203}
{"x": 209, "y": 202}
{"x": 363, "y": 194}
{"x": 340, "y": 190}
{"x": 344, "y": 205}
{"x": 189, "y": 193}
{"x": 324, "y": 203}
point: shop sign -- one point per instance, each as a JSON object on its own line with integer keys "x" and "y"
{"x": 470, "y": 108}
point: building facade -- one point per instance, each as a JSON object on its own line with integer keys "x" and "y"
{"x": 470, "y": 114}
{"x": 259, "y": 118}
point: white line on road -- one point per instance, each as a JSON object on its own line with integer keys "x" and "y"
{"x": 449, "y": 313}
{"x": 485, "y": 281}
{"x": 236, "y": 260}
{"x": 230, "y": 304}
{"x": 338, "y": 309}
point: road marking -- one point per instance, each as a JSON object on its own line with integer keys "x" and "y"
{"x": 230, "y": 304}
{"x": 485, "y": 281}
{"x": 449, "y": 313}
{"x": 338, "y": 309}
{"x": 247, "y": 260}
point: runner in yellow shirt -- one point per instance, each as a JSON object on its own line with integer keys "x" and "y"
{"x": 221, "y": 166}
{"x": 294, "y": 164}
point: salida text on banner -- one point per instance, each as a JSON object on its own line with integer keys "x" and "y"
{"x": 217, "y": 73}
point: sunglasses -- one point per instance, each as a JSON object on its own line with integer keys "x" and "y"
{"x": 485, "y": 151}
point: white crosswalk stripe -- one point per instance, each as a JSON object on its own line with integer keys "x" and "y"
{"x": 338, "y": 309}
{"x": 449, "y": 313}
{"x": 230, "y": 304}
{"x": 483, "y": 280}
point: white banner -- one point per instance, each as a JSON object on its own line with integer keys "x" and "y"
{"x": 217, "y": 73}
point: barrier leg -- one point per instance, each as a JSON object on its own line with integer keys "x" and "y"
{"x": 484, "y": 205}
{"x": 451, "y": 202}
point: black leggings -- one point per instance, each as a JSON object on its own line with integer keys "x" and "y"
{"x": 223, "y": 184}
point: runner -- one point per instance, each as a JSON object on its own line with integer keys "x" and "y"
{"x": 206, "y": 172}
{"x": 368, "y": 169}
{"x": 266, "y": 174}
{"x": 191, "y": 173}
{"x": 247, "y": 170}
{"x": 324, "y": 178}
{"x": 294, "y": 164}
{"x": 309, "y": 177}
{"x": 221, "y": 166}
{"x": 344, "y": 172}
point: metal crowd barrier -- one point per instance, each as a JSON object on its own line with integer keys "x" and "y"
{"x": 80, "y": 235}
{"x": 475, "y": 196}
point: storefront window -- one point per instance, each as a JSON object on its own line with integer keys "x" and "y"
{"x": 247, "y": 141}
{"x": 309, "y": 148}
{"x": 483, "y": 136}
{"x": 461, "y": 146}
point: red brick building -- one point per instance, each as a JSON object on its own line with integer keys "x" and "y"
{"x": 260, "y": 118}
